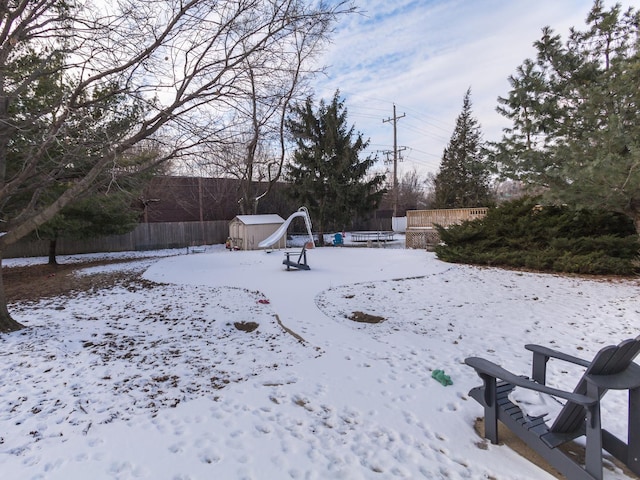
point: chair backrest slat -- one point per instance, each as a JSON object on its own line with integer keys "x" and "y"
{"x": 608, "y": 361}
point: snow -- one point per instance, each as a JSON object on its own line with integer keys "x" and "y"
{"x": 153, "y": 380}
{"x": 266, "y": 219}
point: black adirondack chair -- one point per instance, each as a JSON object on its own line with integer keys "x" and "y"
{"x": 300, "y": 263}
{"x": 611, "y": 369}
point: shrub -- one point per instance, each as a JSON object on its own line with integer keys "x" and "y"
{"x": 522, "y": 234}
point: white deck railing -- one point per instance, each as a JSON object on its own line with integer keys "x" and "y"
{"x": 421, "y": 232}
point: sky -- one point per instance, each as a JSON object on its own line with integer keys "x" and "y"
{"x": 152, "y": 379}
{"x": 423, "y": 55}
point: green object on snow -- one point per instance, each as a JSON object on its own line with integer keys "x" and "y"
{"x": 440, "y": 376}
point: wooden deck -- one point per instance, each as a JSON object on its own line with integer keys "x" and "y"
{"x": 421, "y": 231}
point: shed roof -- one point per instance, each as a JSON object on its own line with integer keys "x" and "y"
{"x": 260, "y": 219}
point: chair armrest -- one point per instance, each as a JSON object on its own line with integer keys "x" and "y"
{"x": 628, "y": 379}
{"x": 550, "y": 353}
{"x": 488, "y": 368}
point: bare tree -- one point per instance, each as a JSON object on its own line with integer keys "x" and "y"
{"x": 254, "y": 152}
{"x": 83, "y": 83}
{"x": 412, "y": 191}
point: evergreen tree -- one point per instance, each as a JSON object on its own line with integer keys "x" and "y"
{"x": 327, "y": 174}
{"x": 464, "y": 177}
{"x": 94, "y": 216}
{"x": 105, "y": 210}
{"x": 575, "y": 111}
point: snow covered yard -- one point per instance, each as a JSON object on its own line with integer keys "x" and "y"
{"x": 162, "y": 379}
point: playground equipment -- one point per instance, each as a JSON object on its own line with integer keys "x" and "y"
{"x": 290, "y": 261}
{"x": 282, "y": 230}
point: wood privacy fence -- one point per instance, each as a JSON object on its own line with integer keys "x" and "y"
{"x": 146, "y": 236}
{"x": 421, "y": 232}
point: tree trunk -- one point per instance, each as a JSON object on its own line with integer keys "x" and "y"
{"x": 7, "y": 324}
{"x": 321, "y": 234}
{"x": 53, "y": 243}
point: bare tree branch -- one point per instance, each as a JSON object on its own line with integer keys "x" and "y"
{"x": 182, "y": 69}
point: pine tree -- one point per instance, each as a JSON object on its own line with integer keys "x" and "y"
{"x": 575, "y": 111}
{"x": 464, "y": 176}
{"x": 327, "y": 174}
{"x": 105, "y": 210}
{"x": 94, "y": 216}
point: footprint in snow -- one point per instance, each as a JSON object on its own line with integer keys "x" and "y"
{"x": 210, "y": 457}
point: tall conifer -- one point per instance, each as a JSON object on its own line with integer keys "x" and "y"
{"x": 464, "y": 177}
{"x": 574, "y": 109}
{"x": 327, "y": 174}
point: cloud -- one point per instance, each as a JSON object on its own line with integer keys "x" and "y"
{"x": 422, "y": 55}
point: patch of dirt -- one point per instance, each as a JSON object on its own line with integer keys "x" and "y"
{"x": 35, "y": 282}
{"x": 362, "y": 317}
{"x": 246, "y": 326}
{"x": 571, "y": 449}
{"x": 508, "y": 438}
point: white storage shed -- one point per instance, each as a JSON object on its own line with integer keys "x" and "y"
{"x": 247, "y": 231}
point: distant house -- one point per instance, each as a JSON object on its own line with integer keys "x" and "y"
{"x": 247, "y": 231}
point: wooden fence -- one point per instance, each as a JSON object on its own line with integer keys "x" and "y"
{"x": 421, "y": 232}
{"x": 152, "y": 236}
{"x": 146, "y": 236}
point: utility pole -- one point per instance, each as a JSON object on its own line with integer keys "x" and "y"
{"x": 395, "y": 119}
